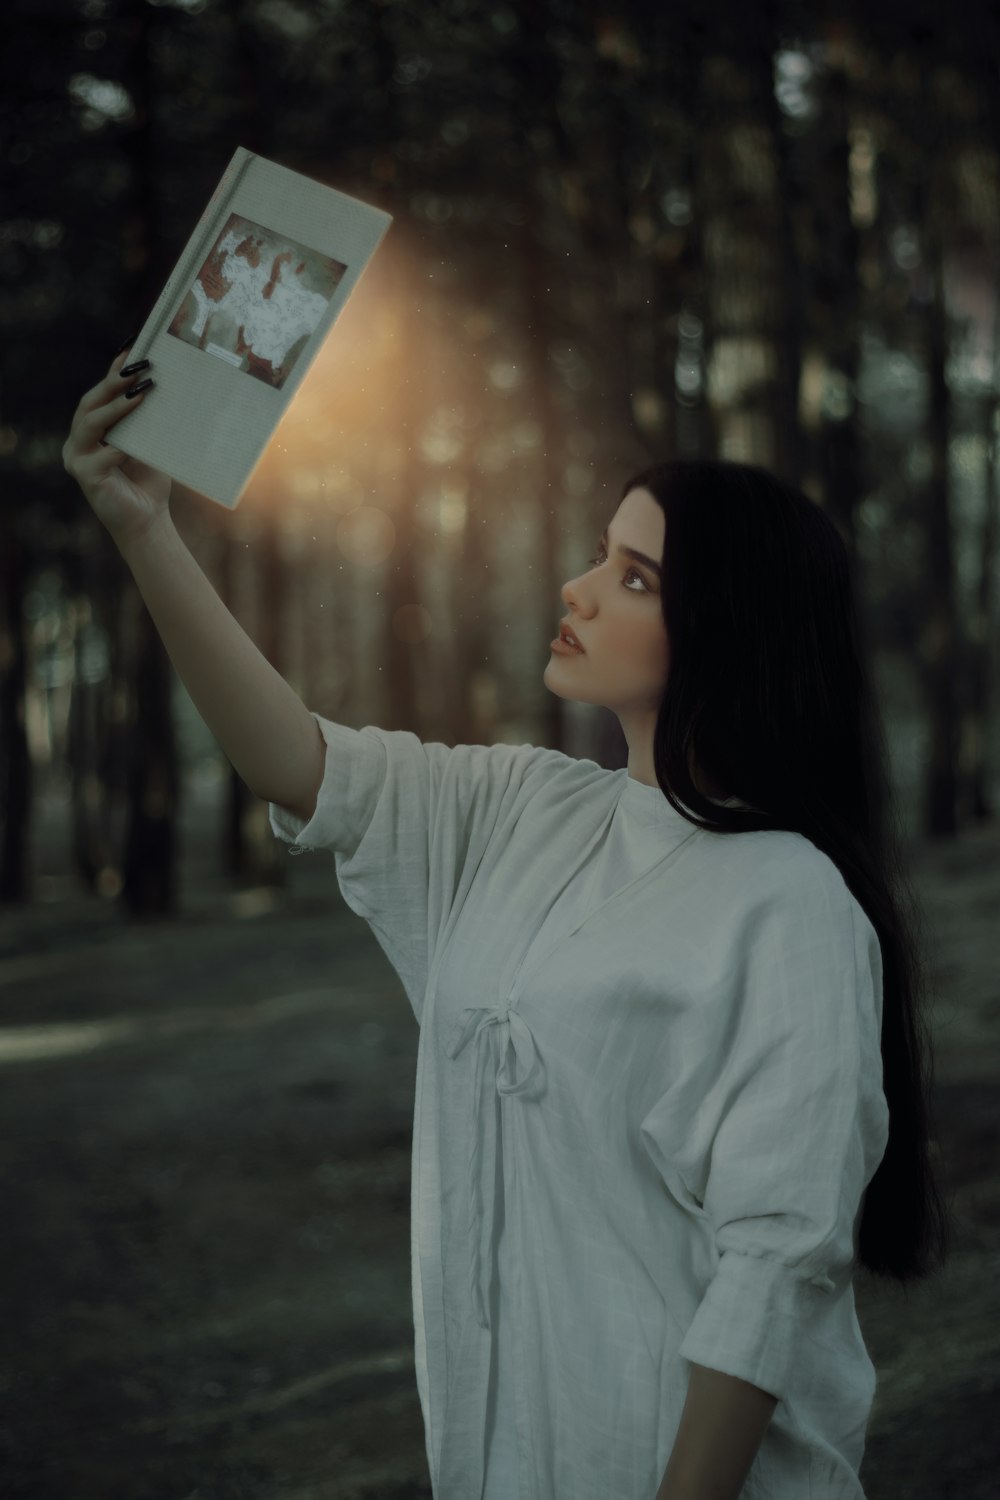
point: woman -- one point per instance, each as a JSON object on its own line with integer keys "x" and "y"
{"x": 671, "y": 1077}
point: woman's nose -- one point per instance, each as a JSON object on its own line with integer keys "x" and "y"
{"x": 574, "y": 590}
{"x": 573, "y": 596}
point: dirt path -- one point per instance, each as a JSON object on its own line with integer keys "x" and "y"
{"x": 204, "y": 1146}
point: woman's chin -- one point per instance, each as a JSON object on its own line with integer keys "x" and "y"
{"x": 550, "y": 678}
{"x": 562, "y": 684}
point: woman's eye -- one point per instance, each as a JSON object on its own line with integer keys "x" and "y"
{"x": 630, "y": 572}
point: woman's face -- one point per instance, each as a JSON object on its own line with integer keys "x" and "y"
{"x": 614, "y": 610}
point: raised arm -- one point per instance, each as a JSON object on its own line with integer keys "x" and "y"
{"x": 263, "y": 727}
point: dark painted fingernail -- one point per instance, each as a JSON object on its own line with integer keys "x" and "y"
{"x": 135, "y": 389}
{"x": 140, "y": 364}
{"x": 127, "y": 344}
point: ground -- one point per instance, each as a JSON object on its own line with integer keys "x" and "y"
{"x": 205, "y": 1156}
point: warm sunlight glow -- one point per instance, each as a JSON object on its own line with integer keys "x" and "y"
{"x": 452, "y": 506}
{"x": 366, "y": 535}
{"x": 412, "y": 624}
{"x": 344, "y": 434}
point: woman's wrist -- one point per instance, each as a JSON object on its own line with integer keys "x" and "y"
{"x": 139, "y": 538}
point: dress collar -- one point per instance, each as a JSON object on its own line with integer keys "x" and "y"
{"x": 648, "y": 804}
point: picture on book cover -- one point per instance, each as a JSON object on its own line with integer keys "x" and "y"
{"x": 257, "y": 299}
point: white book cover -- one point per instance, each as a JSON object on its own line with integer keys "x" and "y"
{"x": 245, "y": 311}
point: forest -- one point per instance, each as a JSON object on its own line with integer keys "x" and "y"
{"x": 620, "y": 233}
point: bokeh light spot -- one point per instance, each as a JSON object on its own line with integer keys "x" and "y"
{"x": 366, "y": 535}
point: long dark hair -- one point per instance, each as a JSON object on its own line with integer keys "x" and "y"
{"x": 769, "y": 694}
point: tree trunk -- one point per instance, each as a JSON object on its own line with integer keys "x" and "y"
{"x": 978, "y": 710}
{"x": 15, "y": 763}
{"x": 150, "y": 863}
{"x": 401, "y": 596}
{"x": 939, "y": 643}
{"x": 789, "y": 456}
{"x": 91, "y": 714}
{"x": 149, "y": 869}
{"x": 694, "y": 422}
{"x": 236, "y": 861}
{"x": 837, "y": 290}
{"x": 535, "y": 277}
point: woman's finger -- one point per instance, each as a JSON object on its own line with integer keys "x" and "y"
{"x": 88, "y": 438}
{"x": 95, "y": 423}
{"x": 105, "y": 389}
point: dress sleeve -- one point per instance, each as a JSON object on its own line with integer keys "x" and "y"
{"x": 408, "y": 822}
{"x": 352, "y": 779}
{"x": 778, "y": 1151}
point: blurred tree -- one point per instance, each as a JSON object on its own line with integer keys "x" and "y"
{"x": 982, "y": 639}
{"x": 834, "y": 290}
{"x": 403, "y": 647}
{"x": 680, "y": 47}
{"x": 788, "y": 318}
{"x": 15, "y": 764}
{"x": 669, "y": 396}
{"x": 933, "y": 210}
{"x": 399, "y": 466}
{"x": 99, "y": 719}
{"x": 149, "y": 864}
{"x": 531, "y": 59}
{"x": 979, "y": 708}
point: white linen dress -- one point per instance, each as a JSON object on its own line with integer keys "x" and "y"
{"x": 648, "y": 1102}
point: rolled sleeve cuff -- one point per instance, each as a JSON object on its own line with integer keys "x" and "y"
{"x": 353, "y": 772}
{"x": 285, "y": 825}
{"x": 750, "y": 1318}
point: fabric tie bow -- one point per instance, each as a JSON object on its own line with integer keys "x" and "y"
{"x": 526, "y": 1070}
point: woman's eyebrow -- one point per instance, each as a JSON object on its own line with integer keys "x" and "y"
{"x": 632, "y": 552}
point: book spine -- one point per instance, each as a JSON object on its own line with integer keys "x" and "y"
{"x": 197, "y": 248}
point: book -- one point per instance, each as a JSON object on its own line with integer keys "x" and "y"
{"x": 254, "y": 294}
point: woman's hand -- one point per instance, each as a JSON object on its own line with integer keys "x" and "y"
{"x": 126, "y": 495}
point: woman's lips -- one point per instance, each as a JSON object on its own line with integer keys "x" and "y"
{"x": 563, "y": 648}
{"x": 568, "y": 634}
